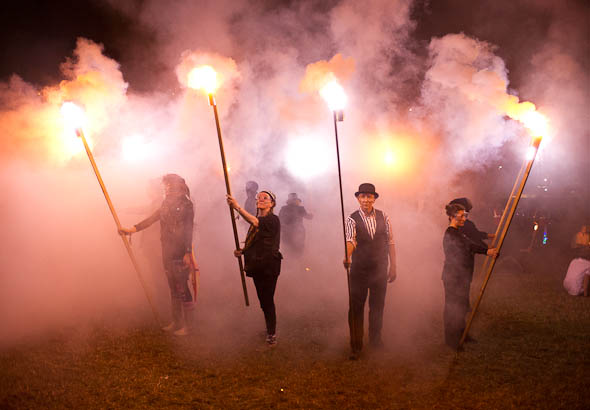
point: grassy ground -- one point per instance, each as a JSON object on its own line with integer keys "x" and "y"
{"x": 533, "y": 352}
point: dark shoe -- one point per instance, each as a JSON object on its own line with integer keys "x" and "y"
{"x": 454, "y": 345}
{"x": 378, "y": 345}
{"x": 354, "y": 355}
{"x": 271, "y": 340}
{"x": 469, "y": 339}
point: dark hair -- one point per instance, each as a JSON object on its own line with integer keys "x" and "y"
{"x": 453, "y": 208}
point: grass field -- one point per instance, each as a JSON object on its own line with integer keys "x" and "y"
{"x": 533, "y": 352}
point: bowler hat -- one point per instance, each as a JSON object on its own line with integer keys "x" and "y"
{"x": 463, "y": 201}
{"x": 366, "y": 188}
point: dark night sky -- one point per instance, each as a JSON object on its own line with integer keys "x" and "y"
{"x": 37, "y": 36}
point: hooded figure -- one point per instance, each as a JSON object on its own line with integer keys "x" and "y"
{"x": 292, "y": 229}
{"x": 251, "y": 191}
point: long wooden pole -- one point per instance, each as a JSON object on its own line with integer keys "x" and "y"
{"x": 352, "y": 315}
{"x": 80, "y": 134}
{"x": 502, "y": 230}
{"x": 228, "y": 189}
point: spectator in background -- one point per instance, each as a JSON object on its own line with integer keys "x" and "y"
{"x": 292, "y": 229}
{"x": 577, "y": 278}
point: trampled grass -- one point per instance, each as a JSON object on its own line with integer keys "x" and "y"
{"x": 532, "y": 352}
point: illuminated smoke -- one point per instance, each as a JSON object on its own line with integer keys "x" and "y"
{"x": 417, "y": 116}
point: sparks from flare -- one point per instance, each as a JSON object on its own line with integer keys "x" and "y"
{"x": 203, "y": 78}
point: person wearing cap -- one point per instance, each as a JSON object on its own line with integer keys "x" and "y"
{"x": 457, "y": 273}
{"x": 469, "y": 229}
{"x": 176, "y": 217}
{"x": 262, "y": 258}
{"x": 369, "y": 243}
{"x": 292, "y": 229}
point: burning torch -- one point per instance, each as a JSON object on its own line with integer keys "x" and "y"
{"x": 205, "y": 78}
{"x": 74, "y": 117}
{"x": 536, "y": 123}
{"x": 335, "y": 97}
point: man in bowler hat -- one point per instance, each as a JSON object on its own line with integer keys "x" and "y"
{"x": 371, "y": 257}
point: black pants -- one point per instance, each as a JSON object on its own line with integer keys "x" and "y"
{"x": 265, "y": 282}
{"x": 375, "y": 285}
{"x": 456, "y": 308}
{"x": 177, "y": 274}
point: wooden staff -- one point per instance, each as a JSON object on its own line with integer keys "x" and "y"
{"x": 80, "y": 134}
{"x": 228, "y": 189}
{"x": 502, "y": 230}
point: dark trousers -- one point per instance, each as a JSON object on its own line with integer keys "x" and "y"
{"x": 265, "y": 289}
{"x": 361, "y": 284}
{"x": 456, "y": 308}
{"x": 177, "y": 274}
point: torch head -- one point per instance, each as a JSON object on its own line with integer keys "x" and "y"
{"x": 74, "y": 117}
{"x": 334, "y": 95}
{"x": 203, "y": 78}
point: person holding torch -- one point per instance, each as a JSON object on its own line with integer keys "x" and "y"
{"x": 262, "y": 256}
{"x": 369, "y": 242}
{"x": 176, "y": 216}
{"x": 458, "y": 272}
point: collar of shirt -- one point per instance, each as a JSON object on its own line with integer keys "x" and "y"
{"x": 372, "y": 213}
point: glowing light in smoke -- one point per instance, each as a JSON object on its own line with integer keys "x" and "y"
{"x": 135, "y": 148}
{"x": 389, "y": 157}
{"x": 530, "y": 153}
{"x": 73, "y": 115}
{"x": 334, "y": 95}
{"x": 74, "y": 120}
{"x": 306, "y": 157}
{"x": 203, "y": 78}
{"x": 536, "y": 123}
{"x": 392, "y": 155}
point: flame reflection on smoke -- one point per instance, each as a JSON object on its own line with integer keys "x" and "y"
{"x": 306, "y": 157}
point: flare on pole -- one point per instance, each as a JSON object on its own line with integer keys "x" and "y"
{"x": 228, "y": 189}
{"x": 71, "y": 111}
{"x": 204, "y": 77}
{"x": 335, "y": 97}
{"x": 504, "y": 224}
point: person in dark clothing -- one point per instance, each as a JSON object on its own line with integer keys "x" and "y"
{"x": 176, "y": 216}
{"x": 262, "y": 258}
{"x": 292, "y": 229}
{"x": 251, "y": 191}
{"x": 369, "y": 241}
{"x": 469, "y": 228}
{"x": 458, "y": 272}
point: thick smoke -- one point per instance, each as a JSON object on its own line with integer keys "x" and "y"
{"x": 418, "y": 115}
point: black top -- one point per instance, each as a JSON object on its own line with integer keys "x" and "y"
{"x": 262, "y": 244}
{"x": 474, "y": 234}
{"x": 176, "y": 216}
{"x": 292, "y": 214}
{"x": 459, "y": 255}
{"x": 250, "y": 205}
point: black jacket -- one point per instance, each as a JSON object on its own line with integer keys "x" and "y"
{"x": 459, "y": 255}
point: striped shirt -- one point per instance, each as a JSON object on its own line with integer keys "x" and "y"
{"x": 371, "y": 225}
